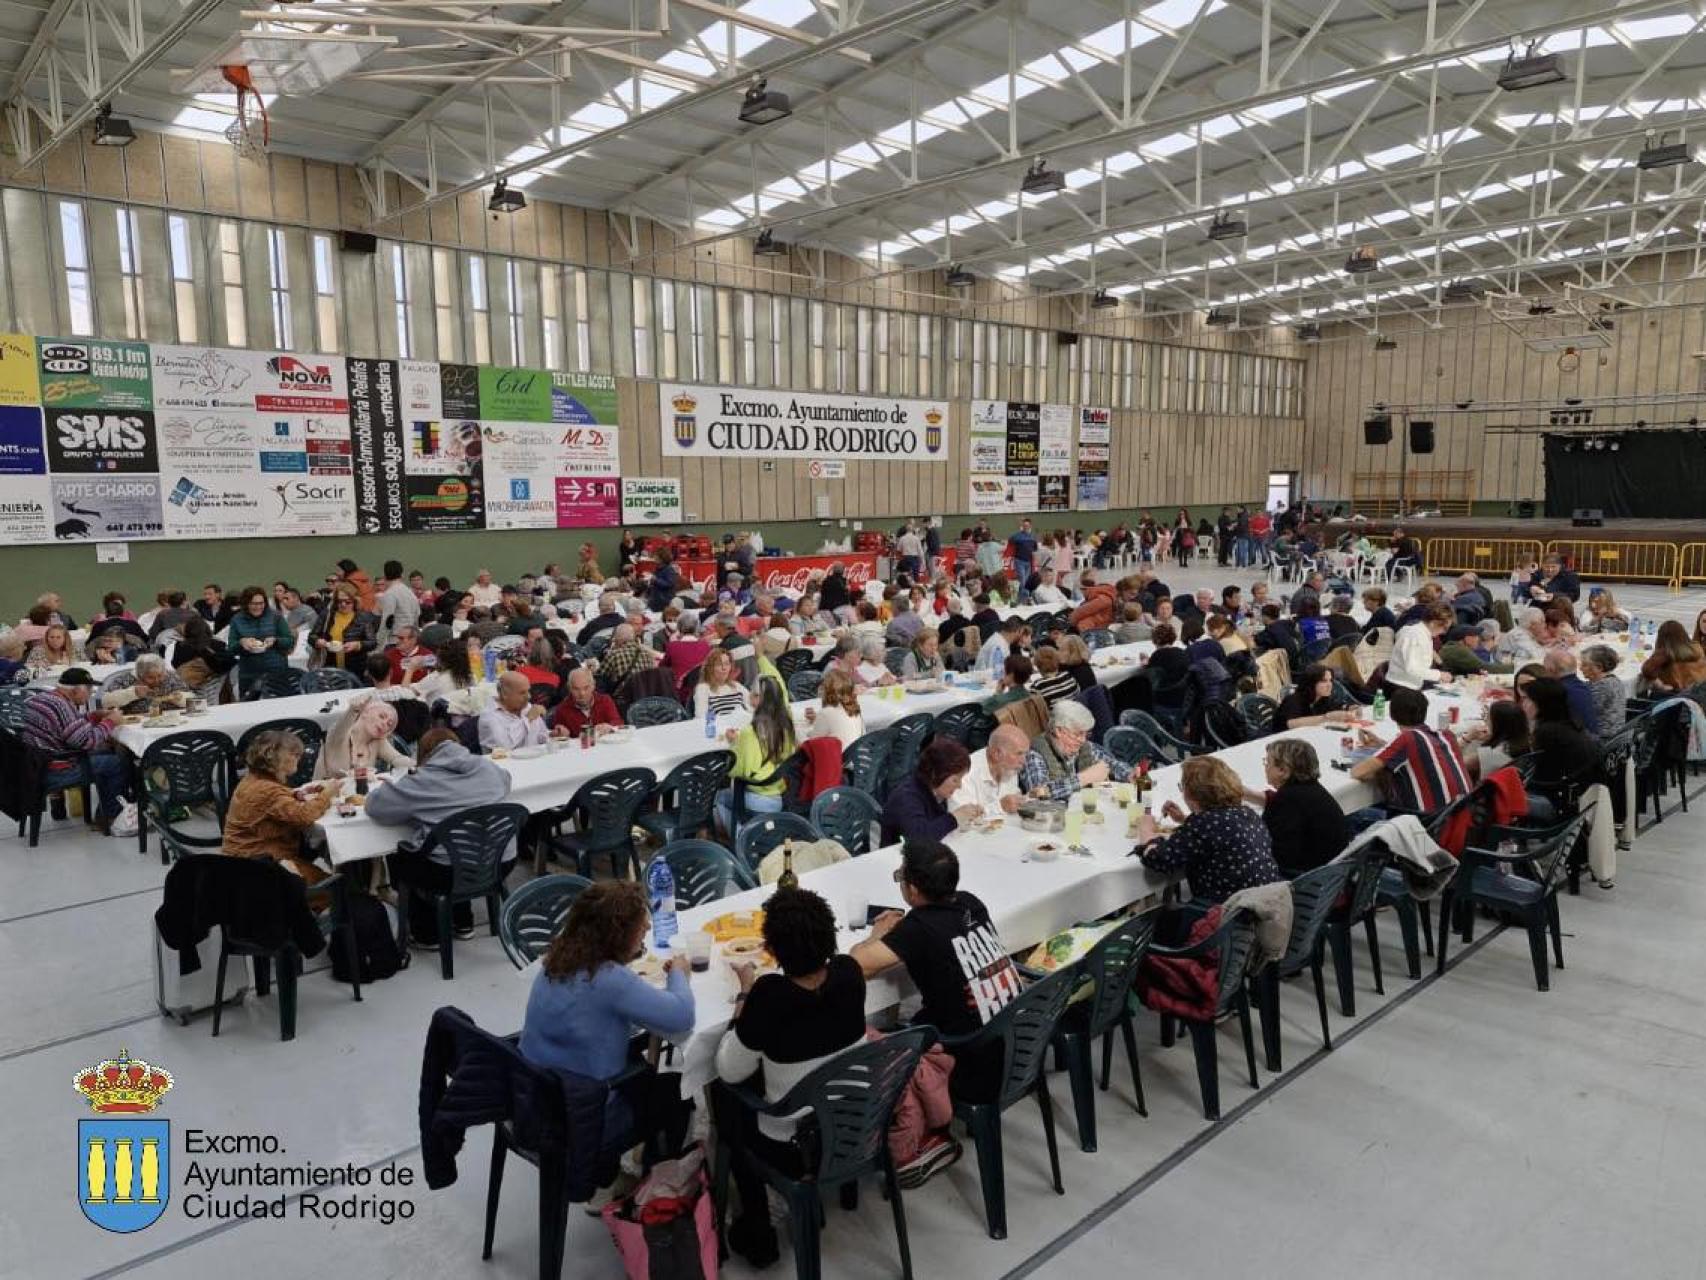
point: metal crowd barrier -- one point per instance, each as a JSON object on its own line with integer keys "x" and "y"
{"x": 1691, "y": 565}
{"x": 1621, "y": 561}
{"x": 1478, "y": 555}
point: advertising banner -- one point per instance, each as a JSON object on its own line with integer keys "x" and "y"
{"x": 77, "y": 373}
{"x": 447, "y": 503}
{"x": 583, "y": 398}
{"x": 421, "y": 393}
{"x": 1094, "y": 434}
{"x": 310, "y": 506}
{"x": 20, "y": 381}
{"x": 26, "y": 510}
{"x": 377, "y": 449}
{"x": 99, "y": 508}
{"x": 286, "y": 383}
{"x": 514, "y": 395}
{"x": 521, "y": 462}
{"x": 588, "y": 502}
{"x": 203, "y": 378}
{"x": 93, "y": 440}
{"x": 22, "y": 449}
{"x": 737, "y": 422}
{"x": 651, "y": 500}
{"x": 444, "y": 448}
{"x": 458, "y": 391}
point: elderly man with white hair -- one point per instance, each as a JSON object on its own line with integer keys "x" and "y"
{"x": 514, "y": 722}
{"x": 148, "y": 680}
{"x": 992, "y": 783}
{"x": 1062, "y": 759}
{"x": 1561, "y": 665}
{"x": 625, "y": 656}
{"x": 609, "y": 615}
{"x": 1046, "y": 591}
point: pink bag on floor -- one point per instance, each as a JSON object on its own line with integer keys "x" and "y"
{"x": 667, "y": 1228}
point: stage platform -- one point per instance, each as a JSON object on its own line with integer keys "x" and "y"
{"x": 1670, "y": 552}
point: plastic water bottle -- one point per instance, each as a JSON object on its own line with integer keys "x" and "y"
{"x": 1379, "y": 707}
{"x": 710, "y": 723}
{"x": 660, "y": 887}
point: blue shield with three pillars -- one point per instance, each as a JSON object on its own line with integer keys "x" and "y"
{"x": 123, "y": 1172}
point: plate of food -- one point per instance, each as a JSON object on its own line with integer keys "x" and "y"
{"x": 499, "y": 753}
{"x": 1046, "y": 850}
{"x": 622, "y": 734}
{"x": 648, "y": 968}
{"x": 747, "y": 951}
{"x": 527, "y": 753}
{"x": 736, "y": 924}
{"x": 988, "y": 825}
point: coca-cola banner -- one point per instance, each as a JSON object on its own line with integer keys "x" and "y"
{"x": 784, "y": 574}
{"x": 746, "y": 422}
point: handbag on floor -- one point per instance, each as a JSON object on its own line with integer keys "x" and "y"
{"x": 666, "y": 1228}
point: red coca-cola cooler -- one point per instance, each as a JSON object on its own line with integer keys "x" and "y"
{"x": 871, "y": 541}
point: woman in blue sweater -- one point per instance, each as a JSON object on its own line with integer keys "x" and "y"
{"x": 586, "y": 1004}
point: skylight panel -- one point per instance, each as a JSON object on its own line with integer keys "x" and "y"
{"x": 1170, "y": 145}
{"x": 1178, "y": 14}
{"x": 1667, "y": 27}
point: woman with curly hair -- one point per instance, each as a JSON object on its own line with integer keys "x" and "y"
{"x": 586, "y": 1004}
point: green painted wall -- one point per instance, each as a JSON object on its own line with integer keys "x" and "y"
{"x": 304, "y": 562}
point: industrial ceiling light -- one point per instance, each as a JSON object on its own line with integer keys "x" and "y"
{"x": 960, "y": 278}
{"x": 1540, "y": 309}
{"x": 1309, "y": 332}
{"x": 768, "y": 246}
{"x": 1040, "y": 180}
{"x": 764, "y": 105}
{"x": 1101, "y": 300}
{"x": 111, "y": 130}
{"x": 1383, "y": 343}
{"x": 1363, "y": 259}
{"x": 1458, "y": 291}
{"x": 1530, "y": 71}
{"x": 1218, "y": 317}
{"x": 1662, "y": 154}
{"x": 1227, "y": 227}
{"x": 504, "y": 200}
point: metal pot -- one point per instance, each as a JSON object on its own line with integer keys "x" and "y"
{"x": 1042, "y": 815}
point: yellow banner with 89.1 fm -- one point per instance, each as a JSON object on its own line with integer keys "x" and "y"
{"x": 19, "y": 383}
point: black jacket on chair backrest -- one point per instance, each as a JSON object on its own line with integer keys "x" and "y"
{"x": 471, "y": 1077}
{"x": 250, "y": 898}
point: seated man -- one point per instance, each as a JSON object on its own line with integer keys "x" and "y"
{"x": 1561, "y": 665}
{"x": 1423, "y": 768}
{"x": 60, "y": 721}
{"x": 1047, "y": 591}
{"x": 585, "y": 707}
{"x": 625, "y": 656}
{"x": 514, "y": 721}
{"x": 952, "y": 954}
{"x": 1556, "y": 582}
{"x": 1010, "y": 638}
{"x": 1064, "y": 759}
{"x": 405, "y": 656}
{"x": 991, "y": 785}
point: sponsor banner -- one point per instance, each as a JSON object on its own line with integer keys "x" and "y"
{"x": 737, "y": 422}
{"x": 1095, "y": 423}
{"x": 988, "y": 494}
{"x": 589, "y": 502}
{"x": 92, "y": 440}
{"x": 203, "y": 378}
{"x": 458, "y": 391}
{"x": 20, "y": 383}
{"x": 26, "y": 507}
{"x": 826, "y": 469}
{"x": 286, "y": 383}
{"x": 786, "y": 575}
{"x": 206, "y": 504}
{"x": 520, "y": 502}
{"x": 421, "y": 393}
{"x": 583, "y": 398}
{"x": 102, "y": 508}
{"x": 651, "y": 500}
{"x": 310, "y": 506}
{"x": 443, "y": 503}
{"x": 1054, "y": 440}
{"x": 377, "y": 449}
{"x": 22, "y": 450}
{"x": 514, "y": 395}
{"x": 445, "y": 447}
{"x": 77, "y": 373}
{"x": 1022, "y": 493}
{"x": 1054, "y": 493}
{"x": 330, "y": 457}
{"x": 988, "y": 437}
{"x": 216, "y": 444}
{"x": 1024, "y": 433}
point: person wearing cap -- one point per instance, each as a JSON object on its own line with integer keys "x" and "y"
{"x": 484, "y": 592}
{"x": 60, "y": 721}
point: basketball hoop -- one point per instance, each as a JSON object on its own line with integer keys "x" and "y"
{"x": 251, "y": 131}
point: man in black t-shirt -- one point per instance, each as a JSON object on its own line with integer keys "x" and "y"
{"x": 953, "y": 955}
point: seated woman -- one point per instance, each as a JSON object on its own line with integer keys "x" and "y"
{"x": 201, "y": 661}
{"x": 1016, "y": 675}
{"x": 361, "y": 739}
{"x": 1553, "y": 627}
{"x": 687, "y": 649}
{"x": 1310, "y": 703}
{"x": 12, "y": 650}
{"x": 1501, "y": 739}
{"x": 585, "y": 1006}
{"x": 760, "y": 749}
{"x": 1602, "y": 616}
{"x": 917, "y": 808}
{"x": 1379, "y": 615}
{"x": 1306, "y": 826}
{"x": 872, "y": 670}
{"x": 786, "y": 1025}
{"x": 449, "y": 780}
{"x": 266, "y": 817}
{"x": 106, "y": 650}
{"x": 717, "y": 690}
{"x": 1310, "y": 624}
{"x": 455, "y": 681}
{"x": 1566, "y": 754}
{"x": 55, "y": 649}
{"x": 1051, "y": 681}
{"x": 924, "y": 659}
{"x": 1220, "y": 629}
{"x": 839, "y": 717}
{"x": 1075, "y": 660}
{"x": 1220, "y": 846}
{"x": 1676, "y": 665}
{"x": 144, "y": 686}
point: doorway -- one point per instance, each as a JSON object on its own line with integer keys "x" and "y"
{"x": 1282, "y": 490}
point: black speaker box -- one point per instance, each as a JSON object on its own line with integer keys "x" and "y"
{"x": 1422, "y": 437}
{"x": 358, "y": 242}
{"x": 1065, "y": 338}
{"x": 1587, "y": 517}
{"x": 1377, "y": 430}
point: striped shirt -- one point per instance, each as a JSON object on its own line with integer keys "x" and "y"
{"x": 1427, "y": 773}
{"x": 52, "y": 722}
{"x": 730, "y": 697}
{"x": 1062, "y": 684}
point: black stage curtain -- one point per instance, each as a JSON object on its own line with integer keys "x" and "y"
{"x": 1655, "y": 475}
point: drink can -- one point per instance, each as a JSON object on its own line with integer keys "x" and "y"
{"x": 1444, "y": 719}
{"x": 1456, "y": 712}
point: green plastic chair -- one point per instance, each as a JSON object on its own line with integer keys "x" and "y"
{"x": 1312, "y": 897}
{"x": 758, "y": 836}
{"x": 1235, "y": 942}
{"x": 534, "y": 913}
{"x": 704, "y": 871}
{"x": 1109, "y": 966}
{"x": 687, "y": 796}
{"x": 846, "y": 815}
